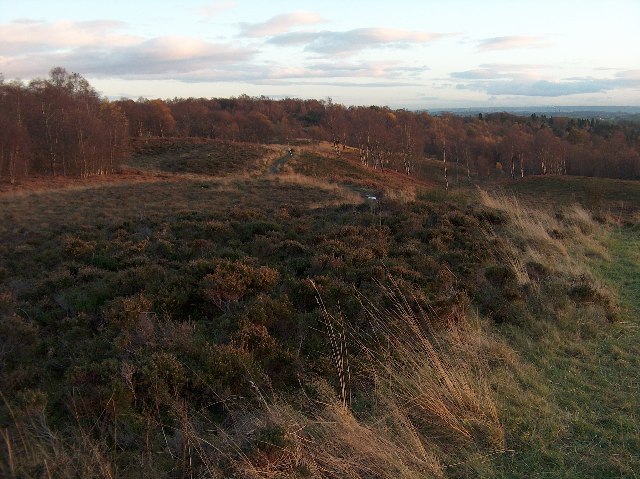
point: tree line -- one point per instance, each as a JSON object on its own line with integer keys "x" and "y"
{"x": 61, "y": 126}
{"x": 487, "y": 145}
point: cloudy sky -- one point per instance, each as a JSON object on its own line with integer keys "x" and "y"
{"x": 401, "y": 53}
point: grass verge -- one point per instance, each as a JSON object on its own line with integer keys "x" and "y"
{"x": 572, "y": 410}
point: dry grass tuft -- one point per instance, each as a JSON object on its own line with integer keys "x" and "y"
{"x": 407, "y": 194}
{"x": 430, "y": 403}
{"x": 339, "y": 194}
{"x": 538, "y": 244}
{"x": 30, "y": 449}
{"x": 437, "y": 377}
{"x": 537, "y": 227}
{"x": 536, "y": 236}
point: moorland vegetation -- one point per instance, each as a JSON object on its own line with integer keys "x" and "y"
{"x": 219, "y": 308}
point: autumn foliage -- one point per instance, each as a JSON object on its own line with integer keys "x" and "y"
{"x": 59, "y": 126}
{"x": 489, "y": 146}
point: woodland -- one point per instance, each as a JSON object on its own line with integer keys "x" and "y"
{"x": 61, "y": 126}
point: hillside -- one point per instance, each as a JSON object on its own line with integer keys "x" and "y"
{"x": 223, "y": 309}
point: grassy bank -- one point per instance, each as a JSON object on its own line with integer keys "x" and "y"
{"x": 572, "y": 411}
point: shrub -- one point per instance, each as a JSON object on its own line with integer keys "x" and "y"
{"x": 125, "y": 312}
{"x": 255, "y": 338}
{"x": 254, "y": 228}
{"x": 231, "y": 281}
{"x": 76, "y": 246}
{"x": 269, "y": 312}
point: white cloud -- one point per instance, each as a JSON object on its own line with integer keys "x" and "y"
{"x": 544, "y": 88}
{"x": 494, "y": 71}
{"x": 294, "y": 38}
{"x": 280, "y": 24}
{"x": 351, "y": 41}
{"x": 629, "y": 75}
{"x": 391, "y": 71}
{"x": 99, "y": 49}
{"x": 24, "y": 36}
{"x": 501, "y": 84}
{"x": 512, "y": 42}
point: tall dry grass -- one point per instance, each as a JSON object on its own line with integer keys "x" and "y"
{"x": 559, "y": 242}
{"x": 407, "y": 194}
{"x": 430, "y": 407}
{"x": 436, "y": 375}
{"x": 422, "y": 405}
{"x": 542, "y": 241}
{"x": 430, "y": 403}
{"x": 534, "y": 226}
{"x": 30, "y": 449}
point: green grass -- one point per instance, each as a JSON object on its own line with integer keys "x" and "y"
{"x": 574, "y": 410}
{"x": 623, "y": 272}
{"x": 578, "y": 415}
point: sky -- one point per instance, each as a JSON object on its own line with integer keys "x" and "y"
{"x": 415, "y": 54}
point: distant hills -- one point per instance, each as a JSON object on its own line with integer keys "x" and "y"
{"x": 604, "y": 112}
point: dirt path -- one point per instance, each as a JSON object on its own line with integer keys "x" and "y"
{"x": 276, "y": 166}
